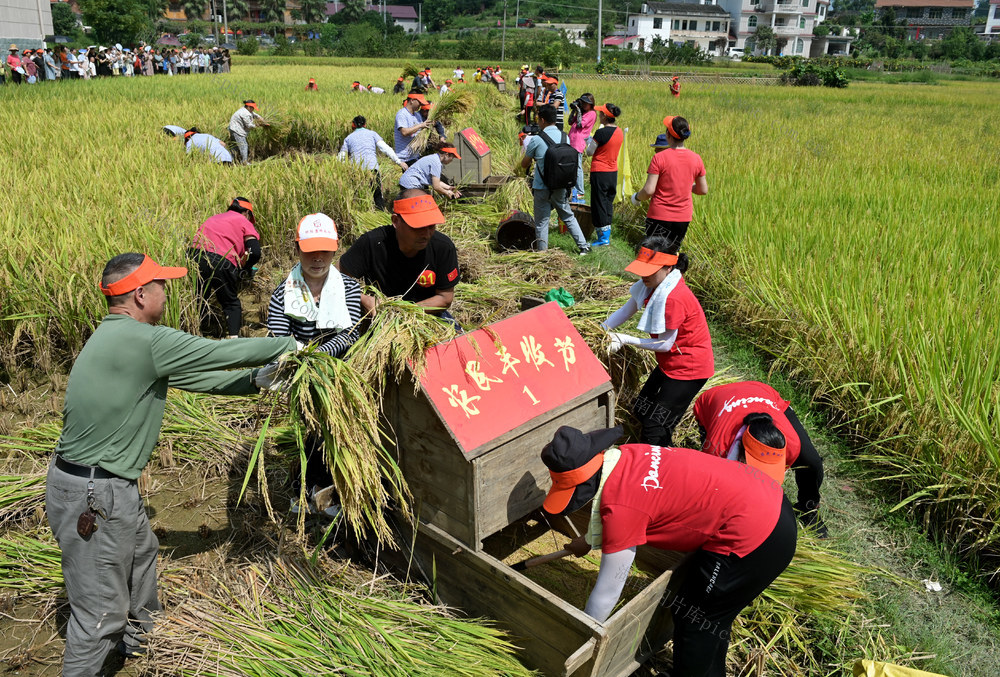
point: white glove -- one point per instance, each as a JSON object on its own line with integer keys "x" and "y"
{"x": 299, "y": 345}
{"x": 265, "y": 378}
{"x": 618, "y": 340}
{"x": 635, "y": 201}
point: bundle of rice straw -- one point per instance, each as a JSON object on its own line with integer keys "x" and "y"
{"x": 332, "y": 405}
{"x": 445, "y": 110}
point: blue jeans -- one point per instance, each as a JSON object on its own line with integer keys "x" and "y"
{"x": 545, "y": 201}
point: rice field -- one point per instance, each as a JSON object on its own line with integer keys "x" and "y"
{"x": 847, "y": 233}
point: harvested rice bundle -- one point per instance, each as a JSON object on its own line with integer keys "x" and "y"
{"x": 409, "y": 71}
{"x": 330, "y": 401}
{"x": 290, "y": 618}
{"x": 445, "y": 110}
{"x": 31, "y": 442}
{"x": 399, "y": 335}
{"x": 30, "y": 563}
{"x": 203, "y": 429}
{"x": 20, "y": 497}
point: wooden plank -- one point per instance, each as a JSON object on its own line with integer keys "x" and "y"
{"x": 511, "y": 481}
{"x": 548, "y": 629}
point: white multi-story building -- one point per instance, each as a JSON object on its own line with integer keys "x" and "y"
{"x": 25, "y": 23}
{"x": 704, "y": 24}
{"x": 792, "y": 21}
{"x": 993, "y": 20}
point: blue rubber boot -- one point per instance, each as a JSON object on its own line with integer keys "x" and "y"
{"x": 603, "y": 237}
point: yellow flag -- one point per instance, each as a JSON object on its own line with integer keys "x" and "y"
{"x": 624, "y": 171}
{"x": 866, "y": 668}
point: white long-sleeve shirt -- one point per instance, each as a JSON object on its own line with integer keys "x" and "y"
{"x": 211, "y": 145}
{"x": 361, "y": 145}
{"x": 242, "y": 121}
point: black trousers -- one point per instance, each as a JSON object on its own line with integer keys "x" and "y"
{"x": 673, "y": 230}
{"x": 219, "y": 275}
{"x": 715, "y": 590}
{"x": 808, "y": 467}
{"x": 602, "y": 197}
{"x": 378, "y": 197}
{"x": 661, "y": 404}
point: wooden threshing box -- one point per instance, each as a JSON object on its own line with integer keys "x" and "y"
{"x": 469, "y": 443}
{"x": 475, "y": 165}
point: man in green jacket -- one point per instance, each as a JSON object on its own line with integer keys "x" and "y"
{"x": 111, "y": 420}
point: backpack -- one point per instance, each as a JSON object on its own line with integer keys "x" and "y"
{"x": 561, "y": 160}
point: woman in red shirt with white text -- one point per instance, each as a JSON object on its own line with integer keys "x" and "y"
{"x": 675, "y": 321}
{"x": 733, "y": 517}
{"x": 723, "y": 414}
{"x": 673, "y": 175}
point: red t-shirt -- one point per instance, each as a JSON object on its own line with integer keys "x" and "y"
{"x": 677, "y": 169}
{"x": 682, "y": 499}
{"x": 224, "y": 234}
{"x": 691, "y": 356}
{"x": 609, "y": 142}
{"x": 721, "y": 410}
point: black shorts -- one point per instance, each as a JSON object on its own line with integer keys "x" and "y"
{"x": 673, "y": 230}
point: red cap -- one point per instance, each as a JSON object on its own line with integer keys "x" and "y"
{"x": 648, "y": 261}
{"x": 419, "y": 97}
{"x": 419, "y": 211}
{"x": 768, "y": 460}
{"x": 250, "y": 104}
{"x": 317, "y": 233}
{"x": 147, "y": 271}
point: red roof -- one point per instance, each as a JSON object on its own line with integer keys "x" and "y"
{"x": 395, "y": 11}
{"x": 614, "y": 40}
{"x": 968, "y": 4}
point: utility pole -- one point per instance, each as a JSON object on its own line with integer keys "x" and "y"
{"x": 503, "y": 40}
{"x": 215, "y": 26}
{"x": 517, "y": 15}
{"x": 600, "y": 17}
{"x": 225, "y": 21}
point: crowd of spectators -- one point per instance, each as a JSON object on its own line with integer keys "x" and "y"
{"x": 31, "y": 66}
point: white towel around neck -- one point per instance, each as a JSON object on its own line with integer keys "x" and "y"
{"x": 653, "y": 320}
{"x": 330, "y": 313}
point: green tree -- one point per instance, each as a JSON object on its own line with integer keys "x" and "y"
{"x": 764, "y": 39}
{"x": 237, "y": 9}
{"x": 310, "y": 11}
{"x": 195, "y": 9}
{"x": 63, "y": 19}
{"x": 115, "y": 20}
{"x": 437, "y": 14}
{"x": 155, "y": 9}
{"x": 272, "y": 10}
{"x": 351, "y": 13}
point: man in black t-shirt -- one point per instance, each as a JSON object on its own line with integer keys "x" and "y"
{"x": 408, "y": 258}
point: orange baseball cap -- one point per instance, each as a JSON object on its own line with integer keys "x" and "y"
{"x": 250, "y": 104}
{"x": 418, "y": 211}
{"x": 574, "y": 459}
{"x": 147, "y": 271}
{"x": 317, "y": 233}
{"x": 603, "y": 108}
{"x": 450, "y": 150}
{"x": 418, "y": 96}
{"x": 648, "y": 261}
{"x": 768, "y": 460}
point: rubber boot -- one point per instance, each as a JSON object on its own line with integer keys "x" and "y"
{"x": 603, "y": 237}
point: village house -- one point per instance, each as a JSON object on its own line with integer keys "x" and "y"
{"x": 929, "y": 18}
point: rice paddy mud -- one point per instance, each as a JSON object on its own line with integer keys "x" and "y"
{"x": 808, "y": 244}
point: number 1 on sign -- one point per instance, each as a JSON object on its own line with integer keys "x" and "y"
{"x": 527, "y": 392}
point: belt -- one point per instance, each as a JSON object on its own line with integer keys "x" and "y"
{"x": 81, "y": 470}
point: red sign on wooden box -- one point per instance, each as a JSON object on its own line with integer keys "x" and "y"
{"x": 525, "y": 365}
{"x": 476, "y": 141}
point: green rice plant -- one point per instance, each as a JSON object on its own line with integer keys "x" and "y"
{"x": 291, "y": 618}
{"x": 330, "y": 403}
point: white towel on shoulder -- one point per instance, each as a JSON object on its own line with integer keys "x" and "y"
{"x": 653, "y": 320}
{"x": 330, "y": 313}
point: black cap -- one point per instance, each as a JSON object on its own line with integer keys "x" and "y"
{"x": 571, "y": 449}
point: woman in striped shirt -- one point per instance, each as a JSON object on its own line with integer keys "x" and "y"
{"x": 318, "y": 305}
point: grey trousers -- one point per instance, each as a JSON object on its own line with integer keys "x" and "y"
{"x": 241, "y": 143}
{"x": 110, "y": 576}
{"x": 545, "y": 201}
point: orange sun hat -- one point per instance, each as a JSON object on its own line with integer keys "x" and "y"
{"x": 147, "y": 271}
{"x": 648, "y": 261}
{"x": 419, "y": 211}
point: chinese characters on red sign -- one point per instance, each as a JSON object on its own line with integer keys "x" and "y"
{"x": 475, "y": 141}
{"x": 491, "y": 381}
